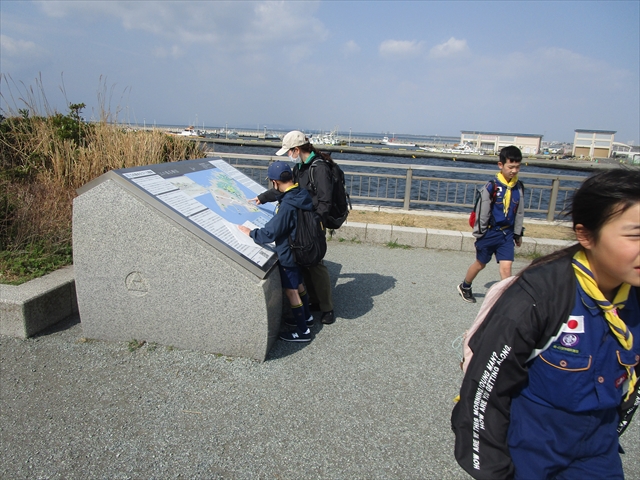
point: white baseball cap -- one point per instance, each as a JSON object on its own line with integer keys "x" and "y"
{"x": 292, "y": 139}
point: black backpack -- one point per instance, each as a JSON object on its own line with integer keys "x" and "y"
{"x": 310, "y": 244}
{"x": 340, "y": 201}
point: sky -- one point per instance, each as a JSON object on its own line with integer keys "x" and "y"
{"x": 412, "y": 67}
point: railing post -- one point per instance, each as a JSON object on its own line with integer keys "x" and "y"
{"x": 551, "y": 213}
{"x": 407, "y": 189}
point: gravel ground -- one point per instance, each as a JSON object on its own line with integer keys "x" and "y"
{"x": 369, "y": 398}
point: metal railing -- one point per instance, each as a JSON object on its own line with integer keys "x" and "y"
{"x": 449, "y": 189}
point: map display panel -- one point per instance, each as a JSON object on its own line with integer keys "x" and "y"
{"x": 213, "y": 196}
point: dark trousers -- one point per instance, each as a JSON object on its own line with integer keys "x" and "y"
{"x": 318, "y": 284}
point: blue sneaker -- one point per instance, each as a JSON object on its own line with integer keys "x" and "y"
{"x": 290, "y": 322}
{"x": 296, "y": 337}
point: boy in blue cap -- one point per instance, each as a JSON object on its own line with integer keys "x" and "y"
{"x": 278, "y": 230}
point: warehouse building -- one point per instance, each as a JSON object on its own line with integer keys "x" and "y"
{"x": 593, "y": 143}
{"x": 528, "y": 143}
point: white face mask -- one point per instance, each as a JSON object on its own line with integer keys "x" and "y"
{"x": 294, "y": 159}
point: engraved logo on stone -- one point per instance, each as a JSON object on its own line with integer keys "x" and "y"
{"x": 137, "y": 284}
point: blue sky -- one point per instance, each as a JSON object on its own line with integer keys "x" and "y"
{"x": 414, "y": 67}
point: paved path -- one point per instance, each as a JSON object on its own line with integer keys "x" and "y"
{"x": 369, "y": 398}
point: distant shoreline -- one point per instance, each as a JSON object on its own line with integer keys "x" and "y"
{"x": 569, "y": 164}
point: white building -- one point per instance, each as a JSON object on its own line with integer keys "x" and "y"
{"x": 593, "y": 143}
{"x": 528, "y": 143}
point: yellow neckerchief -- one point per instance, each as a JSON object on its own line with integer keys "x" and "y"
{"x": 507, "y": 194}
{"x": 295, "y": 185}
{"x": 585, "y": 278}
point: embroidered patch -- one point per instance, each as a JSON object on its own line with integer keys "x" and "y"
{"x": 621, "y": 380}
{"x": 575, "y": 324}
{"x": 569, "y": 339}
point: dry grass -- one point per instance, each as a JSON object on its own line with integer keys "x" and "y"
{"x": 45, "y": 156}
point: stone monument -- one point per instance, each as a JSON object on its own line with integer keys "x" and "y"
{"x": 158, "y": 258}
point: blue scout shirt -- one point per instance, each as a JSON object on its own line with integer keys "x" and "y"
{"x": 497, "y": 212}
{"x": 583, "y": 368}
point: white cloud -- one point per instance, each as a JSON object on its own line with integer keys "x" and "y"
{"x": 350, "y": 48}
{"x": 15, "y": 48}
{"x": 449, "y": 48}
{"x": 173, "y": 52}
{"x": 15, "y": 54}
{"x": 231, "y": 26}
{"x": 400, "y": 48}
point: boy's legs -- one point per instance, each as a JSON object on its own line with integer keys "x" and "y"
{"x": 505, "y": 254}
{"x": 485, "y": 248}
{"x": 472, "y": 273}
{"x": 464, "y": 289}
{"x": 291, "y": 279}
{"x": 293, "y": 296}
{"x": 505, "y": 269}
{"x": 304, "y": 298}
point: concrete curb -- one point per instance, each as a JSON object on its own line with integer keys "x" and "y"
{"x": 33, "y": 306}
{"x": 433, "y": 238}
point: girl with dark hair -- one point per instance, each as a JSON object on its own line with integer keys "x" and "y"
{"x": 553, "y": 380}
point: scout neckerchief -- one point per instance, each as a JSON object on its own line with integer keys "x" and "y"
{"x": 290, "y": 188}
{"x": 507, "y": 195}
{"x": 585, "y": 278}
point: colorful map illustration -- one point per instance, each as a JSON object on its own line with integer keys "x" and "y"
{"x": 225, "y": 196}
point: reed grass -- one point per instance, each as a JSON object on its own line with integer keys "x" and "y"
{"x": 45, "y": 156}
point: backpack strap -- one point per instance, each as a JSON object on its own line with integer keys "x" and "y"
{"x": 311, "y": 168}
{"x": 492, "y": 195}
{"x": 495, "y": 191}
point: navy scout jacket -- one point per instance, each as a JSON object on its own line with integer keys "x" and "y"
{"x": 541, "y": 300}
{"x": 492, "y": 215}
{"x": 283, "y": 224}
{"x": 322, "y": 196}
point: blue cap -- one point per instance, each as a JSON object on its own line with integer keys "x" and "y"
{"x": 280, "y": 171}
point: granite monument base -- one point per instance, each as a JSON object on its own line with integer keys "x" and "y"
{"x": 141, "y": 276}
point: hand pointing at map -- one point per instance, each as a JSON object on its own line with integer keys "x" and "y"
{"x": 255, "y": 200}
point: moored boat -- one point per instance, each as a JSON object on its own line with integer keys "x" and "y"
{"x": 393, "y": 142}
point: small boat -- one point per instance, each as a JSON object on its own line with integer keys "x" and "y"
{"x": 330, "y": 138}
{"x": 461, "y": 149}
{"x": 393, "y": 142}
{"x": 271, "y": 136}
{"x": 465, "y": 149}
{"x": 189, "y": 132}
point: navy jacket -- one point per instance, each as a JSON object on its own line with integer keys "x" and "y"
{"x": 284, "y": 223}
{"x": 523, "y": 319}
{"x": 492, "y": 213}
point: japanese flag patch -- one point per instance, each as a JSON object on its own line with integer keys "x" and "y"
{"x": 575, "y": 324}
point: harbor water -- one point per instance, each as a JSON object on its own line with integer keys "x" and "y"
{"x": 379, "y": 189}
